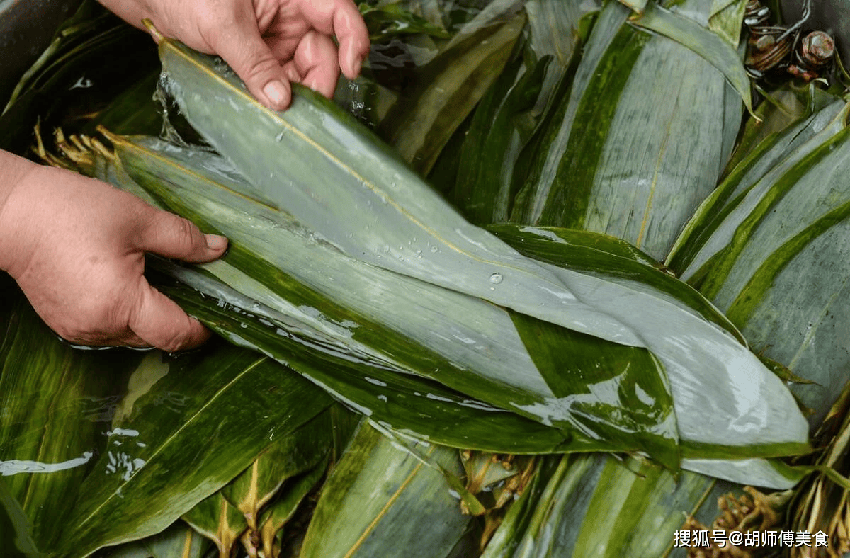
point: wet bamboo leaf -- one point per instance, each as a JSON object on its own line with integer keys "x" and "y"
{"x": 388, "y": 20}
{"x": 554, "y": 27}
{"x": 218, "y": 517}
{"x": 77, "y": 70}
{"x": 424, "y": 119}
{"x": 56, "y": 403}
{"x": 375, "y": 232}
{"x": 619, "y": 153}
{"x": 701, "y": 239}
{"x": 192, "y": 431}
{"x": 593, "y": 506}
{"x": 690, "y": 390}
{"x": 414, "y": 233}
{"x": 780, "y": 109}
{"x": 381, "y": 351}
{"x": 289, "y": 456}
{"x": 774, "y": 257}
{"x": 366, "y": 504}
{"x": 656, "y": 421}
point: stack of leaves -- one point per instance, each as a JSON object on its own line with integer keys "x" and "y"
{"x": 349, "y": 276}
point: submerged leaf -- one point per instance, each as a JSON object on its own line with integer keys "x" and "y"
{"x": 56, "y": 403}
{"x": 192, "y": 432}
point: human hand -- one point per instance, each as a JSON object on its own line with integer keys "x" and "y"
{"x": 268, "y": 43}
{"x": 76, "y": 246}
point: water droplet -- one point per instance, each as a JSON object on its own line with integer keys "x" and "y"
{"x": 496, "y": 278}
{"x": 386, "y": 249}
{"x": 433, "y": 249}
{"x": 279, "y": 137}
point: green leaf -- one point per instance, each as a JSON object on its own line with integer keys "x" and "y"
{"x": 619, "y": 154}
{"x": 703, "y": 238}
{"x": 77, "y": 70}
{"x": 674, "y": 304}
{"x": 218, "y": 520}
{"x": 279, "y": 512}
{"x": 774, "y": 256}
{"x": 729, "y": 390}
{"x": 395, "y": 221}
{"x": 500, "y": 128}
{"x": 391, "y": 348}
{"x": 727, "y": 19}
{"x": 388, "y": 20}
{"x": 15, "y": 527}
{"x": 56, "y": 403}
{"x": 593, "y": 506}
{"x": 366, "y": 505}
{"x": 177, "y": 540}
{"x": 707, "y": 44}
{"x": 423, "y": 120}
{"x": 188, "y": 435}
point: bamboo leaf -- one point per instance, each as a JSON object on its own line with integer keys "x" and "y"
{"x": 593, "y": 506}
{"x": 366, "y": 504}
{"x": 279, "y": 512}
{"x": 399, "y": 235}
{"x": 774, "y": 255}
{"x": 15, "y": 526}
{"x": 423, "y": 120}
{"x": 403, "y": 357}
{"x": 56, "y": 404}
{"x": 192, "y": 432}
{"x": 619, "y": 154}
{"x": 661, "y": 338}
{"x": 177, "y": 540}
{"x": 218, "y": 520}
{"x": 703, "y": 42}
{"x": 720, "y": 385}
{"x": 389, "y": 20}
{"x": 77, "y": 70}
{"x": 727, "y": 19}
{"x": 500, "y": 128}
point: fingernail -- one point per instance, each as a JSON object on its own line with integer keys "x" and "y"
{"x": 292, "y": 74}
{"x": 276, "y": 93}
{"x": 215, "y": 242}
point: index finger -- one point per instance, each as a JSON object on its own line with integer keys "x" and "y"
{"x": 342, "y": 19}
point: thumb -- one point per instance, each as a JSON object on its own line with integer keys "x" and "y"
{"x": 247, "y": 53}
{"x": 171, "y": 236}
{"x": 158, "y": 320}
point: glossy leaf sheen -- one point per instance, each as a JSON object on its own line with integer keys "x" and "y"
{"x": 324, "y": 128}
{"x": 56, "y": 403}
{"x": 381, "y": 351}
{"x": 775, "y": 256}
{"x": 190, "y": 426}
